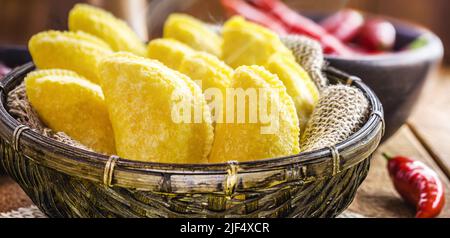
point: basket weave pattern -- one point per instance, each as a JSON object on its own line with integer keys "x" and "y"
{"x": 64, "y": 181}
{"x": 60, "y": 195}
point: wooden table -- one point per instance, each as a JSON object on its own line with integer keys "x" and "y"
{"x": 425, "y": 137}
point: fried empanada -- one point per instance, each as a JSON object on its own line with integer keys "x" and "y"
{"x": 104, "y": 25}
{"x": 214, "y": 77}
{"x": 69, "y": 103}
{"x": 193, "y": 33}
{"x": 257, "y": 138}
{"x": 170, "y": 52}
{"x": 76, "y": 51}
{"x": 143, "y": 98}
{"x": 246, "y": 43}
{"x": 207, "y": 68}
{"x": 298, "y": 84}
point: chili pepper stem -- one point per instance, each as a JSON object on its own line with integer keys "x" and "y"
{"x": 387, "y": 156}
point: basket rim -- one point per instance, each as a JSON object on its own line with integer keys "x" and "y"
{"x": 373, "y": 126}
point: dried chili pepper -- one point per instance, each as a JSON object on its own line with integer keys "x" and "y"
{"x": 240, "y": 7}
{"x": 418, "y": 184}
{"x": 344, "y": 25}
{"x": 298, "y": 24}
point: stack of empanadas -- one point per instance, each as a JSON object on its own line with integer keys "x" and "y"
{"x": 193, "y": 96}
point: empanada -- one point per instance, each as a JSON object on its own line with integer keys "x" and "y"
{"x": 257, "y": 137}
{"x": 104, "y": 25}
{"x": 193, "y": 33}
{"x": 76, "y": 51}
{"x": 67, "y": 102}
{"x": 170, "y": 52}
{"x": 246, "y": 43}
{"x": 298, "y": 84}
{"x": 143, "y": 98}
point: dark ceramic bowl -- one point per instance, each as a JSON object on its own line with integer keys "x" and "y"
{"x": 13, "y": 56}
{"x": 397, "y": 78}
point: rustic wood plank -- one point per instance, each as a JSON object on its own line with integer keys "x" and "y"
{"x": 12, "y": 196}
{"x": 377, "y": 196}
{"x": 430, "y": 121}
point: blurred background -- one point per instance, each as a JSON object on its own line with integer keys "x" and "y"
{"x": 19, "y": 19}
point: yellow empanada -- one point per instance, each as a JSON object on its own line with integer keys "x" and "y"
{"x": 193, "y": 33}
{"x": 257, "y": 138}
{"x": 170, "y": 52}
{"x": 298, "y": 84}
{"x": 143, "y": 97}
{"x": 76, "y": 51}
{"x": 213, "y": 75}
{"x": 207, "y": 68}
{"x": 246, "y": 43}
{"x": 104, "y": 25}
{"x": 67, "y": 102}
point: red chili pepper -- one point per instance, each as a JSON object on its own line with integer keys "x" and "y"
{"x": 377, "y": 35}
{"x": 344, "y": 25}
{"x": 418, "y": 185}
{"x": 240, "y": 7}
{"x": 298, "y": 24}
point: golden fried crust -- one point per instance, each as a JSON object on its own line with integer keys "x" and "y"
{"x": 104, "y": 25}
{"x": 244, "y": 141}
{"x": 246, "y": 43}
{"x": 67, "y": 102}
{"x": 298, "y": 84}
{"x": 193, "y": 33}
{"x": 170, "y": 52}
{"x": 140, "y": 97}
{"x": 213, "y": 75}
{"x": 207, "y": 68}
{"x": 76, "y": 51}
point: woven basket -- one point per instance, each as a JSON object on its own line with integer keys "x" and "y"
{"x": 65, "y": 181}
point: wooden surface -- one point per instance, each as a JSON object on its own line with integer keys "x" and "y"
{"x": 426, "y": 137}
{"x": 11, "y": 196}
{"x": 377, "y": 196}
{"x": 431, "y": 120}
